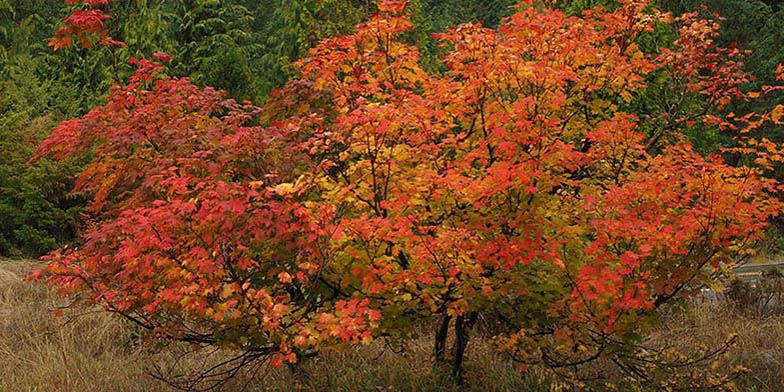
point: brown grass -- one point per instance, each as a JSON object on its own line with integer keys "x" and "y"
{"x": 90, "y": 353}
{"x": 96, "y": 352}
{"x": 759, "y": 346}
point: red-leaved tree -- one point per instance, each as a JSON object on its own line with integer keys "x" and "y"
{"x": 526, "y": 183}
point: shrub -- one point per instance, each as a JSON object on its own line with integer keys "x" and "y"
{"x": 377, "y": 196}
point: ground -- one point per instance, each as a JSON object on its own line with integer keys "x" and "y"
{"x": 96, "y": 352}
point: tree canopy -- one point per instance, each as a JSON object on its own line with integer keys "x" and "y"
{"x": 541, "y": 173}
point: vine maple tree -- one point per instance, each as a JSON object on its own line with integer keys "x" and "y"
{"x": 520, "y": 184}
{"x": 189, "y": 236}
{"x": 517, "y": 183}
{"x": 84, "y": 26}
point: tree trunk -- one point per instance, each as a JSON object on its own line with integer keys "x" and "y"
{"x": 463, "y": 325}
{"x": 441, "y": 332}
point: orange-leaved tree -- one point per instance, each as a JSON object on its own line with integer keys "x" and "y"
{"x": 188, "y": 233}
{"x": 523, "y": 183}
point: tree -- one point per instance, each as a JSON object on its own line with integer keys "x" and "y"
{"x": 521, "y": 184}
{"x": 516, "y": 184}
{"x": 204, "y": 245}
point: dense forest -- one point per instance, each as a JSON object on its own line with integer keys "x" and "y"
{"x": 279, "y": 180}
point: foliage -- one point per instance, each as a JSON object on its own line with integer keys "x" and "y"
{"x": 520, "y": 182}
{"x": 516, "y": 184}
{"x": 246, "y": 47}
{"x": 216, "y": 43}
{"x": 752, "y": 25}
{"x": 176, "y": 172}
{"x": 35, "y": 215}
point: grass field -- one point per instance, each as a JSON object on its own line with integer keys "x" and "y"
{"x": 97, "y": 352}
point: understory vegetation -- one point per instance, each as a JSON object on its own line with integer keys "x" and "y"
{"x": 96, "y": 352}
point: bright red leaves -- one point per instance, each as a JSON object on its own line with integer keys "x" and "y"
{"x": 520, "y": 183}
{"x": 84, "y": 26}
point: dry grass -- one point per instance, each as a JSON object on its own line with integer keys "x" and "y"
{"x": 91, "y": 353}
{"x": 96, "y": 352}
{"x": 375, "y": 368}
{"x": 759, "y": 346}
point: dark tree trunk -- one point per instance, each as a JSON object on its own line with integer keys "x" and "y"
{"x": 463, "y": 325}
{"x": 441, "y": 332}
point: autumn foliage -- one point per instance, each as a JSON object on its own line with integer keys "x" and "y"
{"x": 85, "y": 27}
{"x": 523, "y": 184}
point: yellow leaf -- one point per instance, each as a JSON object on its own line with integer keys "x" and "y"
{"x": 283, "y": 189}
{"x": 776, "y": 114}
{"x": 226, "y": 291}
